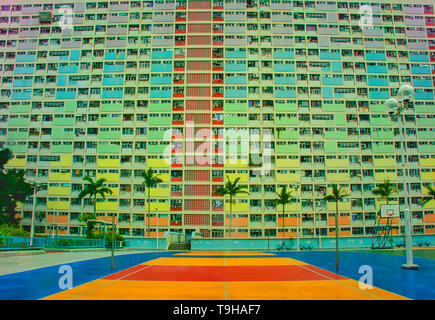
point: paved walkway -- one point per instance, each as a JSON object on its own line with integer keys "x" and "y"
{"x": 13, "y": 264}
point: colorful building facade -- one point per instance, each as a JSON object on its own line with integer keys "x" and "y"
{"x": 110, "y": 88}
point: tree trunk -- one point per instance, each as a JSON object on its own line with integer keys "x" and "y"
{"x": 283, "y": 225}
{"x": 231, "y": 213}
{"x": 336, "y": 235}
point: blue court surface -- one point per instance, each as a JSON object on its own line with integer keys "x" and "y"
{"x": 387, "y": 274}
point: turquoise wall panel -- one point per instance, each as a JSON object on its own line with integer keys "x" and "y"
{"x": 235, "y": 54}
{"x": 420, "y": 69}
{"x": 69, "y": 69}
{"x": 235, "y": 93}
{"x": 336, "y": 66}
{"x": 166, "y": 54}
{"x": 377, "y": 82}
{"x": 66, "y": 94}
{"x": 21, "y": 95}
{"x": 235, "y": 80}
{"x": 25, "y": 58}
{"x": 161, "y": 80}
{"x": 285, "y": 80}
{"x": 61, "y": 80}
{"x": 24, "y": 70}
{"x": 23, "y": 82}
{"x": 424, "y": 95}
{"x": 284, "y": 55}
{"x": 161, "y": 67}
{"x": 235, "y": 67}
{"x": 284, "y": 67}
{"x": 419, "y": 57}
{"x": 279, "y": 93}
{"x": 375, "y": 56}
{"x": 328, "y": 92}
{"x": 113, "y": 68}
{"x": 74, "y": 55}
{"x": 422, "y": 83}
{"x": 377, "y": 69}
{"x": 160, "y": 93}
{"x": 379, "y": 94}
{"x": 116, "y": 81}
{"x": 113, "y": 94}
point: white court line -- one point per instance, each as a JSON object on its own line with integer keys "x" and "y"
{"x": 147, "y": 266}
{"x": 336, "y": 280}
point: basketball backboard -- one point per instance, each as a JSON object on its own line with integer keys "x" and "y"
{"x": 390, "y": 211}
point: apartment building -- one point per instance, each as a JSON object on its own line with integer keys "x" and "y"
{"x": 110, "y": 88}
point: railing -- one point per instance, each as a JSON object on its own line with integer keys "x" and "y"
{"x": 17, "y": 243}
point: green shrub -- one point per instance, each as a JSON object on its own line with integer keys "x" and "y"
{"x": 8, "y": 230}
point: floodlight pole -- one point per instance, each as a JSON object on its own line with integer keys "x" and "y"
{"x": 408, "y": 235}
{"x": 33, "y": 216}
{"x": 297, "y": 218}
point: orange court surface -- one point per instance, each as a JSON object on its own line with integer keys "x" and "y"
{"x": 224, "y": 276}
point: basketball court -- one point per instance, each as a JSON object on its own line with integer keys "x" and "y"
{"x": 228, "y": 276}
{"x": 224, "y": 276}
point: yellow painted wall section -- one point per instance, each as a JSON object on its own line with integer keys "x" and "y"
{"x": 287, "y": 177}
{"x": 287, "y": 163}
{"x": 427, "y": 162}
{"x": 385, "y": 162}
{"x": 66, "y": 160}
{"x": 59, "y": 205}
{"x": 337, "y": 163}
{"x": 337, "y": 177}
{"x": 108, "y": 163}
{"x": 158, "y": 206}
{"x": 430, "y": 205}
{"x": 159, "y": 192}
{"x": 158, "y": 163}
{"x": 112, "y": 206}
{"x": 237, "y": 207}
{"x": 341, "y": 206}
{"x": 58, "y": 191}
{"x": 108, "y": 176}
{"x": 15, "y": 162}
{"x": 59, "y": 176}
{"x": 381, "y": 176}
{"x": 237, "y": 163}
{"x": 165, "y": 177}
{"x": 428, "y": 176}
{"x": 244, "y": 177}
{"x": 115, "y": 191}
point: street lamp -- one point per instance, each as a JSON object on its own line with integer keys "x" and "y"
{"x": 395, "y": 109}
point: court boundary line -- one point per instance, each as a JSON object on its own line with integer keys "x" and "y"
{"x": 110, "y": 281}
{"x": 357, "y": 289}
{"x": 162, "y": 259}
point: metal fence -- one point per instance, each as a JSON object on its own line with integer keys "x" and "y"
{"x": 17, "y": 243}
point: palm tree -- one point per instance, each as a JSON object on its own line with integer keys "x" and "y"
{"x": 93, "y": 189}
{"x": 232, "y": 189}
{"x": 284, "y": 197}
{"x": 431, "y": 194}
{"x": 338, "y": 194}
{"x": 385, "y": 190}
{"x": 150, "y": 180}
